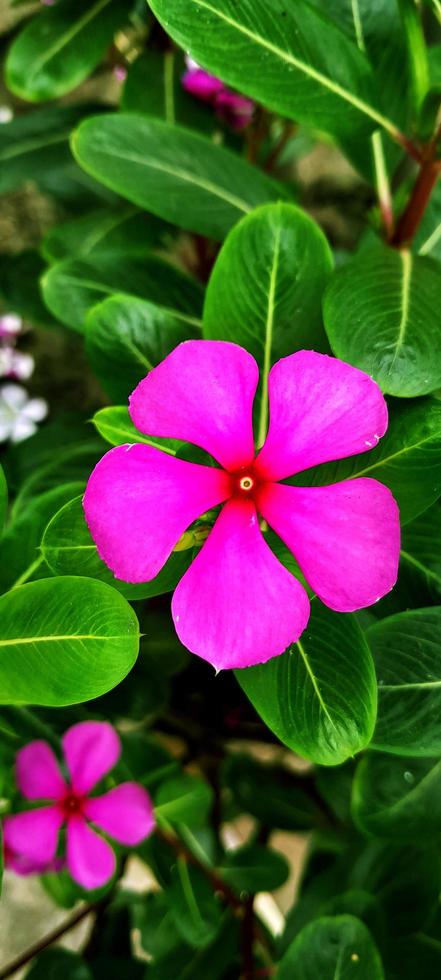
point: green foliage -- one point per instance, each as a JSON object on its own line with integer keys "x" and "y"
{"x": 140, "y": 215}
{"x": 64, "y": 640}
{"x": 319, "y": 697}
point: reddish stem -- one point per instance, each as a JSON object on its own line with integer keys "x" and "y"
{"x": 418, "y": 201}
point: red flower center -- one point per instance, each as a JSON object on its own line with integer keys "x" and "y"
{"x": 245, "y": 482}
{"x": 72, "y": 805}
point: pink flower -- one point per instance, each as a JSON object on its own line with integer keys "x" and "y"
{"x": 237, "y": 605}
{"x": 233, "y": 108}
{"x": 120, "y": 73}
{"x": 19, "y": 863}
{"x": 10, "y": 326}
{"x": 91, "y": 749}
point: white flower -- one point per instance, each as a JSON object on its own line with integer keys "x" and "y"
{"x": 10, "y": 325}
{"x": 14, "y": 364}
{"x": 6, "y": 113}
{"x": 19, "y": 413}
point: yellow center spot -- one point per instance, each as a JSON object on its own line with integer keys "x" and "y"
{"x": 246, "y": 483}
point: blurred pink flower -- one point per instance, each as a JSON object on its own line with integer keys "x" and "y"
{"x": 91, "y": 750}
{"x": 22, "y": 865}
{"x": 231, "y": 107}
{"x": 19, "y": 414}
{"x": 237, "y": 605}
{"x": 120, "y": 73}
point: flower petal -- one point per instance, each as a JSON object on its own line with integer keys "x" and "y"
{"x": 320, "y": 409}
{"x": 125, "y": 813}
{"x": 346, "y": 538}
{"x": 138, "y": 503}
{"x": 237, "y": 605}
{"x": 90, "y": 859}
{"x": 34, "y": 834}
{"x": 37, "y": 772}
{"x": 202, "y": 393}
{"x": 91, "y": 750}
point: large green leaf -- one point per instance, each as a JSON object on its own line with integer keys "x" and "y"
{"x": 72, "y": 287}
{"x": 284, "y": 53}
{"x": 382, "y": 315}
{"x": 421, "y": 549}
{"x": 54, "y": 963}
{"x": 183, "y": 799}
{"x": 33, "y": 143}
{"x": 60, "y": 47}
{"x": 68, "y": 549}
{"x": 3, "y": 498}
{"x": 173, "y": 172}
{"x": 406, "y": 653}
{"x": 319, "y": 697}
{"x": 332, "y": 948}
{"x": 414, "y": 956}
{"x": 128, "y": 230}
{"x": 407, "y": 459}
{"x": 115, "y": 426}
{"x": 266, "y": 287}
{"x": 64, "y": 640}
{"x": 399, "y": 799}
{"x": 126, "y": 338}
{"x": 19, "y": 547}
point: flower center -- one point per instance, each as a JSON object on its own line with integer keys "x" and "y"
{"x": 244, "y": 483}
{"x": 72, "y": 805}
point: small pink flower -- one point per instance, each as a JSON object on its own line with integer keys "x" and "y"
{"x": 14, "y": 364}
{"x": 120, "y": 73}
{"x": 10, "y": 326}
{"x": 233, "y": 108}
{"x": 237, "y": 605}
{"x": 91, "y": 749}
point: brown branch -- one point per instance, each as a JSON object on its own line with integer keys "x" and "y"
{"x": 48, "y": 940}
{"x": 215, "y": 880}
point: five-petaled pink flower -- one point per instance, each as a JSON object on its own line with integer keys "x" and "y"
{"x": 231, "y": 107}
{"x": 91, "y": 749}
{"x": 237, "y": 605}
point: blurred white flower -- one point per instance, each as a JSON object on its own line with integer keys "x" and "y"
{"x": 6, "y": 113}
{"x": 19, "y": 414}
{"x": 10, "y": 325}
{"x": 14, "y": 364}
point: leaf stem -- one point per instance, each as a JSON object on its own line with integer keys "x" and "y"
{"x": 382, "y": 184}
{"x": 28, "y": 572}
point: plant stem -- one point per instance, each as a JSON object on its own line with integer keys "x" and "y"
{"x": 416, "y": 206}
{"x": 47, "y": 940}
{"x": 248, "y": 941}
{"x": 28, "y": 572}
{"x": 215, "y": 880}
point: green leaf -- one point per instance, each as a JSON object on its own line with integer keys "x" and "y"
{"x": 286, "y": 54}
{"x": 414, "y": 956}
{"x": 183, "y": 799}
{"x": 196, "y": 911}
{"x": 173, "y": 172}
{"x": 64, "y": 641}
{"x": 319, "y": 697}
{"x": 52, "y": 964}
{"x": 406, "y": 654}
{"x": 68, "y": 549}
{"x": 60, "y": 47}
{"x": 153, "y": 919}
{"x": 3, "y": 498}
{"x": 272, "y": 794}
{"x": 407, "y": 459}
{"x": 266, "y": 287}
{"x": 103, "y": 231}
{"x": 25, "y": 267}
{"x": 115, "y": 426}
{"x": 382, "y": 315}
{"x": 398, "y": 799}
{"x": 254, "y": 868}
{"x": 220, "y": 958}
{"x": 72, "y": 287}
{"x": 126, "y": 338}
{"x": 421, "y": 549}
{"x": 33, "y": 143}
{"x": 330, "y": 948}
{"x": 154, "y": 87}
{"x": 19, "y": 546}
